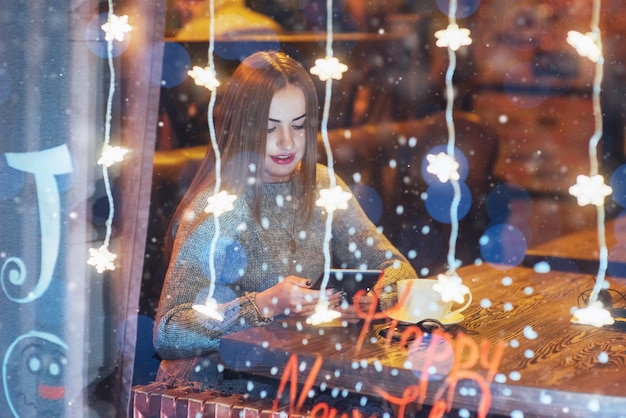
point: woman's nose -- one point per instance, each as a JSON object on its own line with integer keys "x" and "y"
{"x": 285, "y": 139}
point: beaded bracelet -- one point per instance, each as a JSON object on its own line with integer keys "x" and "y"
{"x": 262, "y": 318}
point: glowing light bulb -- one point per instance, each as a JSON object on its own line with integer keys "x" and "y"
{"x": 587, "y": 45}
{"x": 333, "y": 199}
{"x": 101, "y": 259}
{"x": 220, "y": 203}
{"x": 322, "y": 314}
{"x": 451, "y": 287}
{"x": 590, "y": 190}
{"x": 204, "y": 77}
{"x": 444, "y": 166}
{"x": 453, "y": 37}
{"x": 329, "y": 68}
{"x": 111, "y": 155}
{"x": 209, "y": 309}
{"x": 116, "y": 28}
{"x": 593, "y": 314}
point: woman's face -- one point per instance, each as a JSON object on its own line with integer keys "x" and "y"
{"x": 286, "y": 139}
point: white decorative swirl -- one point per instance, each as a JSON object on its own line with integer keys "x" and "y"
{"x": 16, "y": 276}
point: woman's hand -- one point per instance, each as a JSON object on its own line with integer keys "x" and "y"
{"x": 349, "y": 313}
{"x": 292, "y": 296}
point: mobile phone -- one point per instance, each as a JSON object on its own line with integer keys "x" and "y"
{"x": 349, "y": 281}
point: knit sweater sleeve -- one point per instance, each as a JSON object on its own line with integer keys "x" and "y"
{"x": 182, "y": 332}
{"x": 357, "y": 243}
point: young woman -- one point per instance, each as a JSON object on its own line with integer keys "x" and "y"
{"x": 269, "y": 249}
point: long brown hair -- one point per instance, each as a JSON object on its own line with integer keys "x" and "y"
{"x": 241, "y": 132}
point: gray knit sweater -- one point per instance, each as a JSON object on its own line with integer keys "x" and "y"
{"x": 252, "y": 256}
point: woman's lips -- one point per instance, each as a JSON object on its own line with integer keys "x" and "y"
{"x": 283, "y": 159}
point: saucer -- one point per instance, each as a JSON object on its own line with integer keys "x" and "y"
{"x": 454, "y": 318}
{"x": 401, "y": 316}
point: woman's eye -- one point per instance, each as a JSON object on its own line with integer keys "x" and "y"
{"x": 270, "y": 130}
{"x": 298, "y": 127}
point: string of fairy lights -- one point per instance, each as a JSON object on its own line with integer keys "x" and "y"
{"x": 220, "y": 202}
{"x": 589, "y": 189}
{"x": 334, "y": 198}
{"x": 444, "y": 165}
{"x": 115, "y": 29}
{"x": 592, "y": 189}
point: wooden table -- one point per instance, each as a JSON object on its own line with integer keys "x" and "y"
{"x": 549, "y": 366}
{"x": 579, "y": 251}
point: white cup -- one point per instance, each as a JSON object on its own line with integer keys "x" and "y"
{"x": 424, "y": 302}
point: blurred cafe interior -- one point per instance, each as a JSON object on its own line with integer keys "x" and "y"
{"x": 521, "y": 91}
{"x": 522, "y": 101}
{"x": 523, "y": 111}
{"x": 528, "y": 114}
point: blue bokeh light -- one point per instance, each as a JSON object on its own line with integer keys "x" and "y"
{"x": 94, "y": 37}
{"x": 503, "y": 246}
{"x": 439, "y": 199}
{"x": 618, "y": 184}
{"x": 230, "y": 256}
{"x": 176, "y": 63}
{"x": 465, "y": 7}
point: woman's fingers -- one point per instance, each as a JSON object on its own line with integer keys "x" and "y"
{"x": 299, "y": 281}
{"x": 305, "y": 301}
{"x": 300, "y": 300}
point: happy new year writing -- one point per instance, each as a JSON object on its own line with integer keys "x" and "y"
{"x": 456, "y": 356}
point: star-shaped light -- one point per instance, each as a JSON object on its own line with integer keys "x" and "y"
{"x": 209, "y": 309}
{"x": 587, "y": 45}
{"x": 333, "y": 199}
{"x": 594, "y": 314}
{"x": 329, "y": 67}
{"x": 453, "y": 37}
{"x": 590, "y": 190}
{"x": 116, "y": 28}
{"x": 322, "y": 314}
{"x": 111, "y": 155}
{"x": 102, "y": 259}
{"x": 451, "y": 287}
{"x": 204, "y": 77}
{"x": 444, "y": 166}
{"x": 220, "y": 203}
